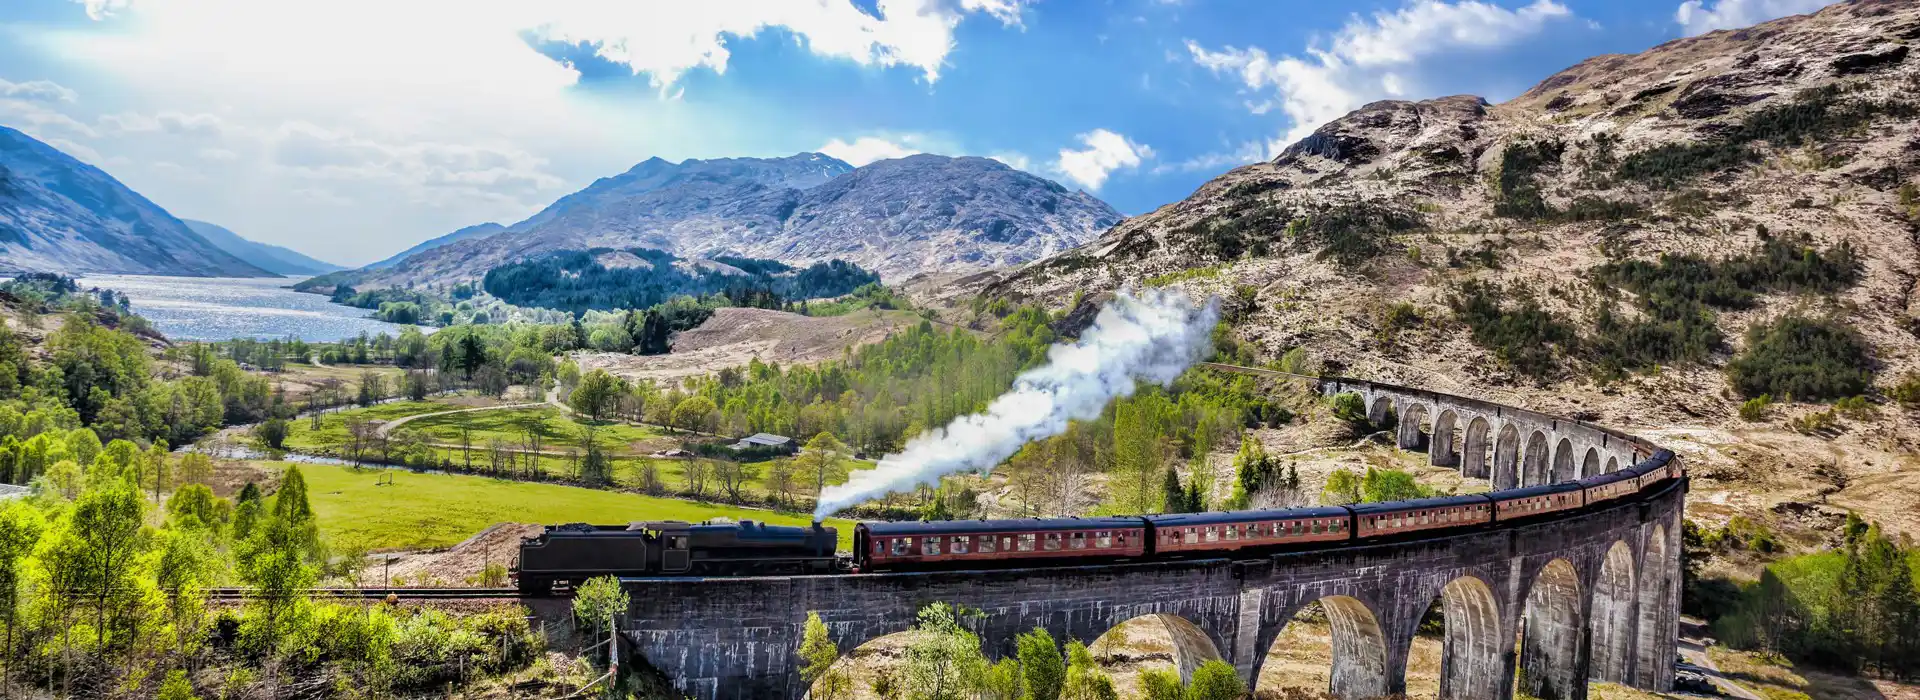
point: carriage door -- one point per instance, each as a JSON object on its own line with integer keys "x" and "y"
{"x": 675, "y": 559}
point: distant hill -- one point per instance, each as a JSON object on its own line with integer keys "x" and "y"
{"x": 58, "y": 214}
{"x": 900, "y": 217}
{"x": 474, "y": 231}
{"x": 272, "y": 258}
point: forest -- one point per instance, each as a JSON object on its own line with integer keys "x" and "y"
{"x": 640, "y": 278}
{"x": 1852, "y": 608}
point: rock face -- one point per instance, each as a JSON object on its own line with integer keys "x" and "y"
{"x": 898, "y": 217}
{"x": 279, "y": 260}
{"x": 1806, "y": 124}
{"x": 58, "y": 214}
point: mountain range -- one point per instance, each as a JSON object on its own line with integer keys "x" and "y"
{"x": 898, "y": 217}
{"x": 59, "y": 214}
{"x": 279, "y": 260}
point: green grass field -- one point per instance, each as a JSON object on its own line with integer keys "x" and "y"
{"x": 558, "y": 430}
{"x": 333, "y": 426}
{"x": 438, "y": 510}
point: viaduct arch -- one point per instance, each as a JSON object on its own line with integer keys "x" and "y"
{"x": 1552, "y": 604}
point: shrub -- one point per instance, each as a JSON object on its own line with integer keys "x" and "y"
{"x": 1755, "y": 409}
{"x": 1907, "y": 392}
{"x": 1523, "y": 334}
{"x": 1814, "y": 114}
{"x": 1216, "y": 680}
{"x": 1808, "y": 359}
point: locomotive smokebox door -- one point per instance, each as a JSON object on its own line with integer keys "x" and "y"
{"x": 674, "y": 557}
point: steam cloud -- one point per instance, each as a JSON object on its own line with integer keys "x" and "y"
{"x": 1153, "y": 336}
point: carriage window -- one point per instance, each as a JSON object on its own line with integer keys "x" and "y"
{"x": 1006, "y": 543}
{"x": 879, "y": 546}
{"x": 1121, "y": 538}
{"x": 1233, "y": 532}
{"x": 1190, "y": 536}
{"x": 1026, "y": 542}
{"x": 1316, "y": 527}
{"x": 960, "y": 544}
{"x": 929, "y": 546}
{"x": 1079, "y": 540}
{"x": 986, "y": 544}
{"x": 1053, "y": 542}
{"x": 1103, "y": 540}
{"x": 1212, "y": 535}
{"x": 902, "y": 546}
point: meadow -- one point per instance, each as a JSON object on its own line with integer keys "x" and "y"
{"x": 391, "y": 509}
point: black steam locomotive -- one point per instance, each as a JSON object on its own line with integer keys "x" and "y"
{"x": 573, "y": 553}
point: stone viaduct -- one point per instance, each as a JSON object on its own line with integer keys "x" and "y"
{"x": 1538, "y": 607}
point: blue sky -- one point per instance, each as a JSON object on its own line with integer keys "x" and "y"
{"x": 350, "y": 129}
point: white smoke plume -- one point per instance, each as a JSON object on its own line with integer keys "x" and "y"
{"x": 1150, "y": 336}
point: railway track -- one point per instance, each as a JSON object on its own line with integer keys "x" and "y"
{"x": 380, "y": 593}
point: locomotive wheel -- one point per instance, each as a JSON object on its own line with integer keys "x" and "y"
{"x": 536, "y": 587}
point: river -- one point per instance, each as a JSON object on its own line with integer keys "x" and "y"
{"x": 223, "y": 308}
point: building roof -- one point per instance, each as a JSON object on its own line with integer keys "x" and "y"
{"x": 768, "y": 439}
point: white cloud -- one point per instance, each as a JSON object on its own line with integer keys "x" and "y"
{"x": 1017, "y": 161}
{"x": 1218, "y": 160}
{"x": 37, "y": 90}
{"x": 176, "y": 123}
{"x": 1105, "y": 153}
{"x": 423, "y": 114}
{"x": 866, "y": 149}
{"x": 1700, "y": 17}
{"x": 37, "y": 119}
{"x": 1371, "y": 58}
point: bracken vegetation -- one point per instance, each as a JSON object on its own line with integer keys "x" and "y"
{"x": 1677, "y": 294}
{"x": 1802, "y": 358}
{"x": 1348, "y": 233}
{"x": 1521, "y": 333}
{"x": 1813, "y": 115}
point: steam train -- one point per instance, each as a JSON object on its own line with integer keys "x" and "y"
{"x": 573, "y": 553}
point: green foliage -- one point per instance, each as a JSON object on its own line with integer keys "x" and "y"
{"x": 1907, "y": 391}
{"x": 1380, "y": 485}
{"x": 1518, "y": 192}
{"x": 943, "y": 661}
{"x": 1521, "y": 334}
{"x": 598, "y": 600}
{"x": 1342, "y": 488}
{"x": 1677, "y": 293}
{"x": 1804, "y": 358}
{"x": 1216, "y": 680}
{"x": 1854, "y": 609}
{"x": 1085, "y": 680}
{"x": 1814, "y": 115}
{"x": 1349, "y": 407}
{"x": 1161, "y": 684}
{"x": 576, "y": 281}
{"x": 817, "y": 656}
{"x": 1256, "y": 472}
{"x": 272, "y": 433}
{"x": 1755, "y": 409}
{"x": 1043, "y": 669}
{"x": 1349, "y": 232}
{"x": 177, "y": 687}
{"x": 596, "y": 394}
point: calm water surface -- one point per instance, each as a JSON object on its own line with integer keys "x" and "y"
{"x": 222, "y": 308}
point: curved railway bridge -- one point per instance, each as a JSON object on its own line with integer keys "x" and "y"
{"x": 1538, "y": 607}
